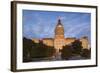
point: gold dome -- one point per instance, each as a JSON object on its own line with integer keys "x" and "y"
{"x": 59, "y": 28}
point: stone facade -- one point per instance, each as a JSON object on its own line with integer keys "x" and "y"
{"x": 59, "y": 39}
{"x": 48, "y": 41}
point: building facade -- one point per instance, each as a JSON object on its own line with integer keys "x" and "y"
{"x": 60, "y": 40}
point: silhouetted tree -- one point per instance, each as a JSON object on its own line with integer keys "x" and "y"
{"x": 40, "y": 50}
{"x": 86, "y": 53}
{"x": 32, "y": 50}
{"x": 66, "y": 52}
{"x": 27, "y": 45}
{"x": 77, "y": 47}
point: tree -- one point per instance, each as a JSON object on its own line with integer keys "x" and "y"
{"x": 39, "y": 50}
{"x": 27, "y": 45}
{"x": 77, "y": 47}
{"x": 50, "y": 51}
{"x": 86, "y": 53}
{"x": 66, "y": 52}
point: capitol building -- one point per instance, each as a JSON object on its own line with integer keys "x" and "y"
{"x": 60, "y": 40}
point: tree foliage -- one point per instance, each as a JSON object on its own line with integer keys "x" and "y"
{"x": 77, "y": 47}
{"x": 86, "y": 53}
{"x": 66, "y": 52}
{"x": 27, "y": 45}
{"x": 32, "y": 50}
{"x": 74, "y": 49}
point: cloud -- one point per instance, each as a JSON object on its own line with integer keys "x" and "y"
{"x": 77, "y": 29}
{"x": 41, "y": 24}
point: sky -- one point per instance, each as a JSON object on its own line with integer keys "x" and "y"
{"x": 41, "y": 24}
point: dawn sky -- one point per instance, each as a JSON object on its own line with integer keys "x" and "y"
{"x": 41, "y": 24}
